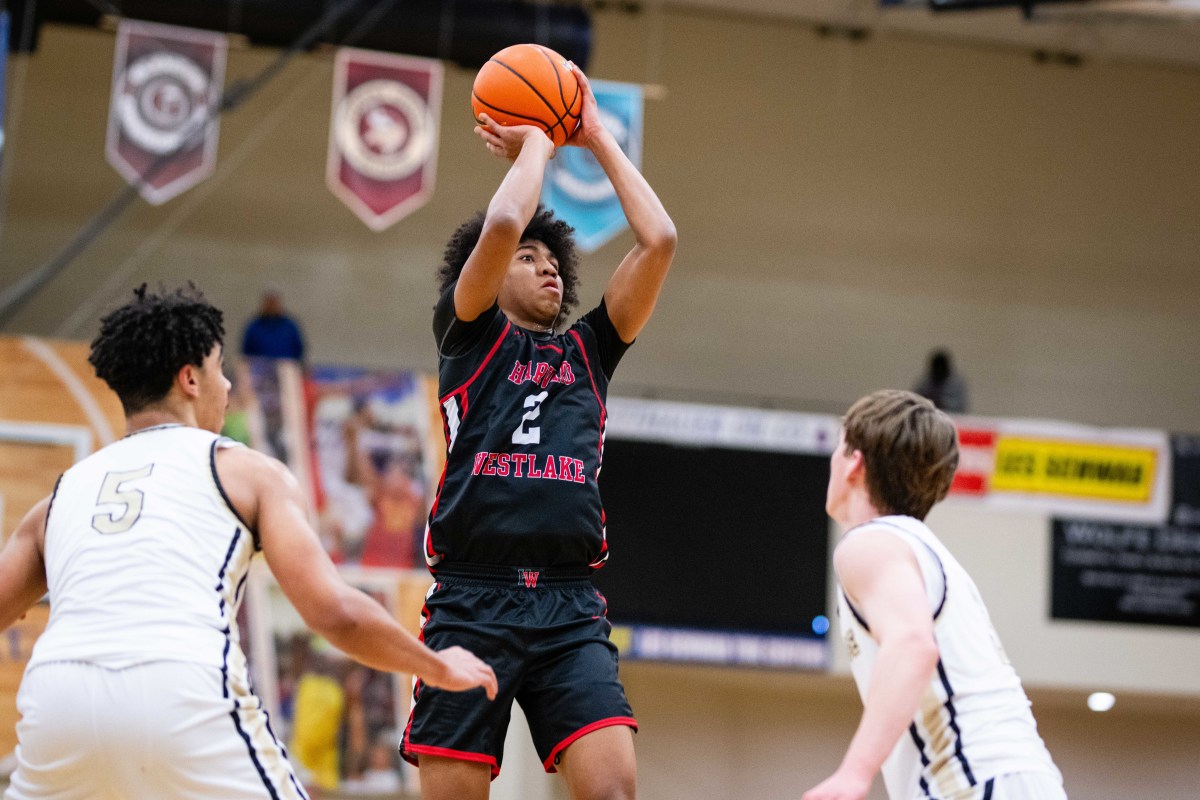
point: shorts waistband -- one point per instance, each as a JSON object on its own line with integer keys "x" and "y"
{"x": 518, "y": 577}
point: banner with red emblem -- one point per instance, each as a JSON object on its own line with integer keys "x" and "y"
{"x": 162, "y": 121}
{"x": 383, "y": 134}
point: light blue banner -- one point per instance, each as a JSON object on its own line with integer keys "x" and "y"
{"x": 575, "y": 186}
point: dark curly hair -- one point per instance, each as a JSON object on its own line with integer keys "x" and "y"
{"x": 143, "y": 344}
{"x": 544, "y": 227}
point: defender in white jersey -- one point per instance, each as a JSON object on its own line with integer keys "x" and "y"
{"x": 944, "y": 714}
{"x": 138, "y": 688}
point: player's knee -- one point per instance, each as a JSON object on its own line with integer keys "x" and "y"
{"x": 613, "y": 787}
{"x": 625, "y": 790}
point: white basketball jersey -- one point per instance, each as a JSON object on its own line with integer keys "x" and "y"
{"x": 145, "y": 559}
{"x": 974, "y": 721}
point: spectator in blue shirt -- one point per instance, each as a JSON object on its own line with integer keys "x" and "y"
{"x": 273, "y": 334}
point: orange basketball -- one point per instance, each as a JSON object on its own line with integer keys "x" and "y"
{"x": 528, "y": 84}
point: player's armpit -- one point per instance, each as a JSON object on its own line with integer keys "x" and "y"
{"x": 267, "y": 497}
{"x": 22, "y": 569}
{"x": 881, "y": 577}
{"x": 240, "y": 472}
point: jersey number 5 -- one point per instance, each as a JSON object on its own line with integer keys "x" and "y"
{"x": 525, "y": 432}
{"x": 130, "y": 500}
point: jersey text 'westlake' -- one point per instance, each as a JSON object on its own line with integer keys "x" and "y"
{"x": 526, "y": 465}
{"x": 523, "y": 417}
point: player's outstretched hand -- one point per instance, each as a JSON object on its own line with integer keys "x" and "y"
{"x": 507, "y": 141}
{"x": 590, "y": 127}
{"x": 841, "y": 785}
{"x": 464, "y": 671}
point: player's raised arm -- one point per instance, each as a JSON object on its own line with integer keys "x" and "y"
{"x": 881, "y": 577}
{"x": 22, "y": 570}
{"x": 268, "y": 498}
{"x": 511, "y": 208}
{"x": 633, "y": 289}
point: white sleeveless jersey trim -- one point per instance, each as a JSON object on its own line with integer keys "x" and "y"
{"x": 145, "y": 558}
{"x": 932, "y": 570}
{"x": 974, "y": 720}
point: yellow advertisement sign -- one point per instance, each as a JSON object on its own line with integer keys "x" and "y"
{"x": 1072, "y": 469}
{"x": 622, "y": 637}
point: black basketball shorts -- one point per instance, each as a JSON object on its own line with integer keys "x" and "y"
{"x": 546, "y": 636}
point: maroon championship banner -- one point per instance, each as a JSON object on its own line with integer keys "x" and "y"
{"x": 162, "y": 121}
{"x": 383, "y": 134}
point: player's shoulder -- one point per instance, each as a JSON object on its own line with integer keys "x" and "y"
{"x": 246, "y": 464}
{"x": 873, "y": 544}
{"x": 591, "y": 329}
{"x": 868, "y": 539}
{"x": 592, "y": 318}
{"x": 456, "y": 337}
{"x": 876, "y": 528}
{"x": 896, "y": 526}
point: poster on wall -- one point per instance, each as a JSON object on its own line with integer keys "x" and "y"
{"x": 339, "y": 720}
{"x": 266, "y": 411}
{"x": 373, "y": 470}
{"x": 162, "y": 119}
{"x": 1119, "y": 572}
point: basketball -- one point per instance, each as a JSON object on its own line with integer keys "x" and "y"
{"x": 528, "y": 84}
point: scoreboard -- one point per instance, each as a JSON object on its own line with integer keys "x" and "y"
{"x": 718, "y": 544}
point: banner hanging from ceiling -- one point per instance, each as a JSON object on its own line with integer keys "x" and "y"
{"x": 575, "y": 186}
{"x": 383, "y": 135}
{"x": 166, "y": 94}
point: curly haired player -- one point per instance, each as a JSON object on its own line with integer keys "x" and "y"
{"x": 517, "y": 527}
{"x": 138, "y": 687}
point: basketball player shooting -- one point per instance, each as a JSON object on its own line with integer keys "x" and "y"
{"x": 944, "y": 714}
{"x": 517, "y": 527}
{"x": 138, "y": 687}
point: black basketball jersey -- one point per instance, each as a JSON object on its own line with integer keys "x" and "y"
{"x": 523, "y": 414}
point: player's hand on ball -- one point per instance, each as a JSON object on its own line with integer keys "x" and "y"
{"x": 462, "y": 670}
{"x": 590, "y": 126}
{"x": 507, "y": 141}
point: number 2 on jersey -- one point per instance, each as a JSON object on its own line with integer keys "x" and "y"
{"x": 131, "y": 500}
{"x": 525, "y": 432}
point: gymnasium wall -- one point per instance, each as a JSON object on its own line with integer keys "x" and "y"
{"x": 724, "y": 734}
{"x": 53, "y": 411}
{"x": 842, "y": 207}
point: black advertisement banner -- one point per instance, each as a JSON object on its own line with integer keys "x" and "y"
{"x": 1185, "y": 468}
{"x": 1113, "y": 572}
